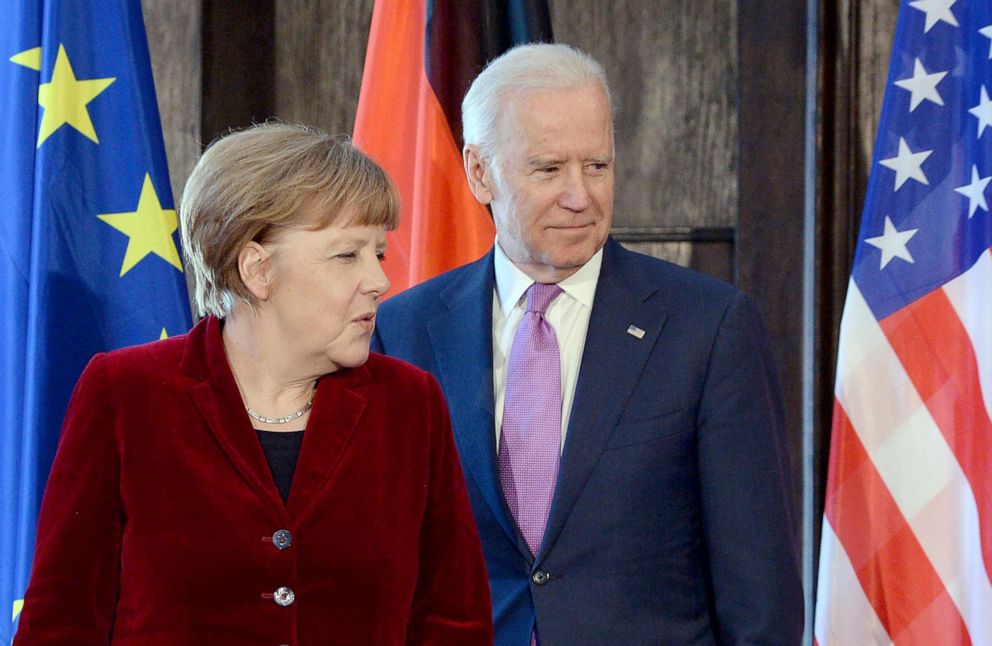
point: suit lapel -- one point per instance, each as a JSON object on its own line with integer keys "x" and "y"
{"x": 612, "y": 362}
{"x": 337, "y": 410}
{"x": 461, "y": 338}
{"x": 216, "y": 395}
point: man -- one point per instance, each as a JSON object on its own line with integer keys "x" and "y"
{"x": 618, "y": 417}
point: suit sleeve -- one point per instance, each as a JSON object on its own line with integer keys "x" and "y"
{"x": 72, "y": 595}
{"x": 452, "y": 604}
{"x": 749, "y": 527}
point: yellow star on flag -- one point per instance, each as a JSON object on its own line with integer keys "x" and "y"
{"x": 29, "y": 58}
{"x": 163, "y": 335}
{"x": 18, "y": 605}
{"x": 65, "y": 98}
{"x": 150, "y": 229}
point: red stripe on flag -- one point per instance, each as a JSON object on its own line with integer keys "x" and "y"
{"x": 401, "y": 125}
{"x": 895, "y": 572}
{"x": 449, "y": 226}
{"x": 936, "y": 352}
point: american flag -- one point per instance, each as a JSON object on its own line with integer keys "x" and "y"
{"x": 906, "y": 550}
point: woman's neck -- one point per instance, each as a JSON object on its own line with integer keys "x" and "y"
{"x": 268, "y": 375}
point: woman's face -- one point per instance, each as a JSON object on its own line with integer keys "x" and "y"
{"x": 325, "y": 287}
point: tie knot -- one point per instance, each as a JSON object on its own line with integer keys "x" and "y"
{"x": 540, "y": 295}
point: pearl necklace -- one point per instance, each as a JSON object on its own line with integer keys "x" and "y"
{"x": 288, "y": 418}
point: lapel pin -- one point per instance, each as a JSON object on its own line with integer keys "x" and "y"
{"x": 635, "y": 331}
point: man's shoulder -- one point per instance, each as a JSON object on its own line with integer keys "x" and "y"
{"x": 429, "y": 294}
{"x": 674, "y": 281}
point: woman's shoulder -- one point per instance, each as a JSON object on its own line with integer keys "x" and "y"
{"x": 397, "y": 375}
{"x": 405, "y": 392}
{"x": 381, "y": 367}
{"x": 147, "y": 358}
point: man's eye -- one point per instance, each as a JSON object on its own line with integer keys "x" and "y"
{"x": 348, "y": 255}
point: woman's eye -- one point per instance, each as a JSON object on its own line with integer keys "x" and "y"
{"x": 350, "y": 255}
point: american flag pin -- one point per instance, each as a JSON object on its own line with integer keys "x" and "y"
{"x": 635, "y": 331}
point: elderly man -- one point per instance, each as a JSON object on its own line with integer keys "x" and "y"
{"x": 618, "y": 417}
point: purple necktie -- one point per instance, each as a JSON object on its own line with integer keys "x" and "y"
{"x": 530, "y": 439}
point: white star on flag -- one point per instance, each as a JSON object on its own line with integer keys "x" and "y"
{"x": 975, "y": 191}
{"x": 936, "y": 10}
{"x": 983, "y": 111}
{"x": 987, "y": 32}
{"x": 922, "y": 86}
{"x": 907, "y": 164}
{"x": 892, "y": 243}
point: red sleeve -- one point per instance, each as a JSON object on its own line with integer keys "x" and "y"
{"x": 72, "y": 595}
{"x": 452, "y": 605}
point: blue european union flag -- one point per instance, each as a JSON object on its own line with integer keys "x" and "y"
{"x": 89, "y": 256}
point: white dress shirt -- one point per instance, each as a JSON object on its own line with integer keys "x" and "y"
{"x": 568, "y": 316}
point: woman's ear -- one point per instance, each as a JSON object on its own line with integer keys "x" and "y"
{"x": 256, "y": 270}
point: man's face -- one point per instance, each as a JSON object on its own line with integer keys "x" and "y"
{"x": 552, "y": 202}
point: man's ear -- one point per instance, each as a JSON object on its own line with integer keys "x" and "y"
{"x": 256, "y": 270}
{"x": 480, "y": 178}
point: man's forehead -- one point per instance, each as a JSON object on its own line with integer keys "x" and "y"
{"x": 551, "y": 109}
{"x": 523, "y": 98}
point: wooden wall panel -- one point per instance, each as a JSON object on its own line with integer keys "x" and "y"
{"x": 772, "y": 189}
{"x": 715, "y": 258}
{"x": 871, "y": 25}
{"x": 238, "y": 65}
{"x": 320, "y": 54}
{"x": 673, "y": 70}
{"x": 856, "y": 41}
{"x": 173, "y": 28}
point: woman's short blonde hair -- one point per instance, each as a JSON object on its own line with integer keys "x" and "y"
{"x": 252, "y": 183}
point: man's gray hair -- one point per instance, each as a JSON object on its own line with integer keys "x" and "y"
{"x": 525, "y": 69}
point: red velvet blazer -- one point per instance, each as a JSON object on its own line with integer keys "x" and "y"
{"x": 158, "y": 522}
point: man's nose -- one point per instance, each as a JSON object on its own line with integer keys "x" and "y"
{"x": 575, "y": 193}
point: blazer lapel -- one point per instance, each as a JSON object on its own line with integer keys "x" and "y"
{"x": 612, "y": 362}
{"x": 461, "y": 337}
{"x": 337, "y": 410}
{"x": 216, "y": 395}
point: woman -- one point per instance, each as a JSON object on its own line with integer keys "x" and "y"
{"x": 177, "y": 511}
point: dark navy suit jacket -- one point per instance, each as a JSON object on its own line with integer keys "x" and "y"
{"x": 672, "y": 518}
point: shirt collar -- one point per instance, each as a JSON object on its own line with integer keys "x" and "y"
{"x": 512, "y": 282}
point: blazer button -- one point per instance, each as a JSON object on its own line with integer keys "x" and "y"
{"x": 540, "y": 577}
{"x": 282, "y": 539}
{"x": 284, "y": 596}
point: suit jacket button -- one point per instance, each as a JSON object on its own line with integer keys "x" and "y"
{"x": 282, "y": 539}
{"x": 540, "y": 577}
{"x": 284, "y": 596}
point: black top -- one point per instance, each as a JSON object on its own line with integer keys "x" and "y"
{"x": 281, "y": 449}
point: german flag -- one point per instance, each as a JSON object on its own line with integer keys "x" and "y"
{"x": 422, "y": 56}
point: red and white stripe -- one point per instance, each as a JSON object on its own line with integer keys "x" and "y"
{"x": 906, "y": 552}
